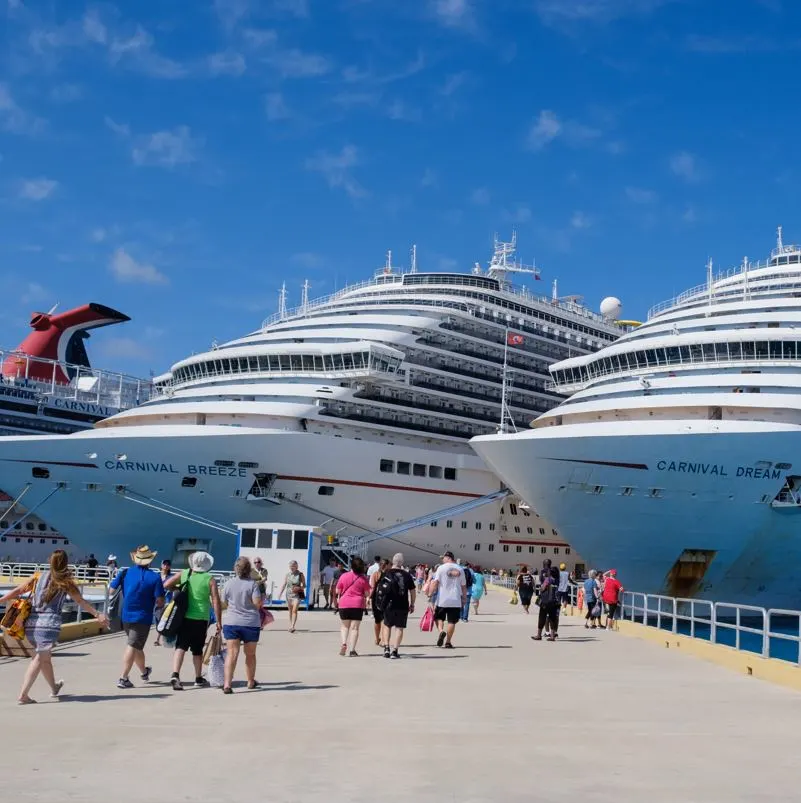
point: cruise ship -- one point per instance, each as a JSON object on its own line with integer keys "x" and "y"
{"x": 47, "y": 385}
{"x": 351, "y": 413}
{"x": 677, "y": 458}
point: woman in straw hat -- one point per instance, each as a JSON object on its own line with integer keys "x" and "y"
{"x": 42, "y": 628}
{"x": 142, "y": 591}
{"x": 203, "y": 596}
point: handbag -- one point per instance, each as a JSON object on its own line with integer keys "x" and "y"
{"x": 514, "y": 600}
{"x": 427, "y": 621}
{"x": 175, "y": 610}
{"x": 265, "y": 617}
{"x": 114, "y": 610}
{"x": 17, "y": 613}
{"x": 216, "y": 671}
{"x": 213, "y": 647}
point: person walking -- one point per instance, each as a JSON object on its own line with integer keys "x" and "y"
{"x": 378, "y": 615}
{"x": 525, "y": 587}
{"x": 479, "y": 588}
{"x": 142, "y": 593}
{"x": 564, "y": 586}
{"x": 242, "y": 598}
{"x": 295, "y": 587}
{"x": 49, "y": 591}
{"x": 611, "y": 596}
{"x": 352, "y": 593}
{"x": 449, "y": 587}
{"x": 397, "y": 604}
{"x": 468, "y": 579}
{"x": 164, "y": 574}
{"x": 549, "y": 607}
{"x": 326, "y": 580}
{"x": 203, "y": 596}
{"x": 591, "y": 599}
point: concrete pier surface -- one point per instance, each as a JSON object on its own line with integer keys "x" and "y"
{"x": 596, "y": 716}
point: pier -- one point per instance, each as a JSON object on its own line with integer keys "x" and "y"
{"x": 596, "y": 716}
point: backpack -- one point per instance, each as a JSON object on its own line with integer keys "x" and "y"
{"x": 547, "y": 593}
{"x": 388, "y": 590}
{"x": 114, "y": 609}
{"x": 468, "y": 576}
{"x": 175, "y": 610}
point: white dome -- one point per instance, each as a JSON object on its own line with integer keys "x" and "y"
{"x": 611, "y": 307}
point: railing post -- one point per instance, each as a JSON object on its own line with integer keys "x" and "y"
{"x": 713, "y": 631}
{"x": 675, "y": 620}
{"x": 765, "y": 636}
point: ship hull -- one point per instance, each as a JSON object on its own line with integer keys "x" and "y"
{"x": 639, "y": 498}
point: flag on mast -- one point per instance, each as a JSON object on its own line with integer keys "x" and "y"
{"x": 514, "y": 339}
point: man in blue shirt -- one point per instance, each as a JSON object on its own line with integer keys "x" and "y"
{"x": 142, "y": 591}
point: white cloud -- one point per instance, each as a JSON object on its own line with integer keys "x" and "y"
{"x": 295, "y": 63}
{"x": 298, "y": 8}
{"x": 561, "y": 12}
{"x": 580, "y": 220}
{"x": 399, "y": 110}
{"x": 231, "y": 12}
{"x": 546, "y": 128}
{"x": 94, "y": 29}
{"x": 121, "y": 129}
{"x": 122, "y": 348}
{"x": 275, "y": 107}
{"x": 454, "y": 13}
{"x": 453, "y": 83}
{"x": 638, "y": 195}
{"x": 37, "y": 189}
{"x": 430, "y": 178}
{"x": 690, "y": 215}
{"x": 520, "y": 214}
{"x": 33, "y": 293}
{"x": 126, "y": 269}
{"x": 480, "y": 196}
{"x": 16, "y": 120}
{"x": 227, "y": 63}
{"x": 336, "y": 169}
{"x": 685, "y": 166}
{"x": 139, "y": 53}
{"x": 166, "y": 148}
{"x": 98, "y": 235}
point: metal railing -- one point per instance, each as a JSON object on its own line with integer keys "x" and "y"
{"x": 83, "y": 574}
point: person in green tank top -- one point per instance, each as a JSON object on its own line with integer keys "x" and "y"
{"x": 203, "y": 595}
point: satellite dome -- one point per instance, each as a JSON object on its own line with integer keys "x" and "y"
{"x": 611, "y": 307}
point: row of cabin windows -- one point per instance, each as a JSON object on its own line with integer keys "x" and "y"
{"x": 4, "y": 539}
{"x": 29, "y": 525}
{"x": 284, "y": 539}
{"x": 519, "y": 548}
{"x": 449, "y": 523}
{"x": 680, "y": 355}
{"x": 417, "y": 469}
{"x": 464, "y": 526}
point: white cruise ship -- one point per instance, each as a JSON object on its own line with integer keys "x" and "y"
{"x": 677, "y": 460}
{"x": 352, "y": 413}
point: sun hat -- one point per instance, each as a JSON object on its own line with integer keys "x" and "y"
{"x": 201, "y": 561}
{"x": 142, "y": 555}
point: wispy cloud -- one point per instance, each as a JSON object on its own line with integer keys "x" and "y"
{"x": 454, "y": 13}
{"x": 166, "y": 148}
{"x": 37, "y": 189}
{"x": 359, "y": 75}
{"x": 297, "y": 8}
{"x": 308, "y": 260}
{"x": 734, "y": 44}
{"x": 275, "y": 107}
{"x": 548, "y": 127}
{"x": 138, "y": 52}
{"x": 121, "y": 129}
{"x": 685, "y": 166}
{"x": 561, "y": 12}
{"x": 638, "y": 195}
{"x": 294, "y": 63}
{"x": 453, "y": 83}
{"x": 126, "y": 269}
{"x": 402, "y": 111}
{"x": 545, "y": 129}
{"x": 337, "y": 169}
{"x": 16, "y": 120}
{"x": 480, "y": 196}
{"x": 429, "y": 178}
{"x": 581, "y": 220}
{"x": 228, "y": 62}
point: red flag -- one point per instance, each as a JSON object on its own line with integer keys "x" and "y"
{"x": 537, "y": 277}
{"x": 513, "y": 339}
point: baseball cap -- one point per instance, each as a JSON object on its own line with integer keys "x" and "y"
{"x": 449, "y": 555}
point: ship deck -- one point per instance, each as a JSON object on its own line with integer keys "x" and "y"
{"x": 597, "y": 716}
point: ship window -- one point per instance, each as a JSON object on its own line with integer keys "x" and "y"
{"x": 189, "y": 482}
{"x": 247, "y": 464}
{"x": 490, "y": 547}
{"x": 450, "y": 473}
{"x": 226, "y": 463}
{"x": 284, "y": 539}
{"x": 248, "y": 538}
{"x": 434, "y": 523}
{"x": 531, "y": 550}
{"x": 301, "y": 539}
{"x": 41, "y": 540}
{"x": 419, "y": 470}
{"x": 3, "y": 524}
{"x": 513, "y": 509}
{"x": 449, "y": 523}
{"x": 435, "y": 471}
{"x": 325, "y": 490}
{"x": 492, "y": 525}
{"x": 627, "y": 491}
{"x": 42, "y": 526}
{"x": 567, "y": 550}
{"x": 28, "y": 525}
{"x": 655, "y": 493}
{"x": 55, "y": 540}
{"x": 554, "y": 532}
{"x": 464, "y": 525}
{"x": 506, "y": 547}
{"x": 518, "y": 548}
{"x": 542, "y": 530}
{"x": 40, "y": 473}
{"x": 387, "y": 466}
{"x": 265, "y": 539}
{"x": 4, "y": 539}
{"x": 17, "y": 526}
{"x": 403, "y": 467}
{"x": 530, "y": 530}
{"x": 517, "y": 529}
{"x": 478, "y": 525}
{"x": 476, "y": 547}
{"x": 30, "y": 540}
{"x": 543, "y": 549}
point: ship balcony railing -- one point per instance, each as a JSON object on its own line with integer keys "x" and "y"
{"x": 494, "y": 399}
{"x": 695, "y": 362}
{"x": 515, "y": 376}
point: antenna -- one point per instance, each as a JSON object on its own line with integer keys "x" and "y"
{"x": 53, "y": 308}
{"x": 554, "y": 293}
{"x": 709, "y": 279}
{"x": 388, "y": 266}
{"x": 304, "y": 299}
{"x": 779, "y": 243}
{"x": 282, "y": 302}
{"x": 414, "y": 259}
{"x": 745, "y": 278}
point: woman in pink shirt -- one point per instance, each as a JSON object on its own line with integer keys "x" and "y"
{"x": 353, "y": 591}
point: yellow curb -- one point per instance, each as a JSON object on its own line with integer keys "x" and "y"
{"x": 78, "y": 630}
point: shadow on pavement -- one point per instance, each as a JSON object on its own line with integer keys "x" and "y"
{"x": 101, "y": 698}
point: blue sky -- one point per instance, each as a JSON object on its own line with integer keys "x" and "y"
{"x": 180, "y": 160}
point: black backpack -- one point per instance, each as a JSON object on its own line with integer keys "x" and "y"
{"x": 388, "y": 590}
{"x": 173, "y": 616}
{"x": 468, "y": 576}
{"x": 114, "y": 610}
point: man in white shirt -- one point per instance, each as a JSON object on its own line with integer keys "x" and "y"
{"x": 326, "y": 579}
{"x": 374, "y": 567}
{"x": 451, "y": 588}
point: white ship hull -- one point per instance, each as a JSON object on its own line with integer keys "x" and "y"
{"x": 152, "y": 462}
{"x": 701, "y": 485}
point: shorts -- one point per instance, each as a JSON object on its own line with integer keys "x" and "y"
{"x": 377, "y": 615}
{"x": 192, "y": 636}
{"x": 396, "y": 618}
{"x": 351, "y": 614}
{"x": 563, "y": 597}
{"x": 611, "y": 609}
{"x": 137, "y": 633}
{"x": 525, "y": 595}
{"x": 247, "y": 635}
{"x": 452, "y": 615}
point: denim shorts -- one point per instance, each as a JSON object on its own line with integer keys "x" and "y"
{"x": 246, "y": 635}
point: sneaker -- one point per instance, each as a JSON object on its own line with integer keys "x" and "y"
{"x": 353, "y": 654}
{"x": 386, "y": 652}
{"x": 449, "y": 646}
{"x": 394, "y": 655}
{"x": 441, "y": 639}
{"x": 176, "y": 684}
{"x": 124, "y": 683}
{"x": 146, "y": 674}
{"x": 202, "y": 683}
{"x": 59, "y": 687}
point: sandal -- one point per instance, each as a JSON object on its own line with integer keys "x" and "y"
{"x": 343, "y": 650}
{"x": 254, "y": 685}
{"x": 26, "y": 701}
{"x": 227, "y": 690}
{"x": 59, "y": 686}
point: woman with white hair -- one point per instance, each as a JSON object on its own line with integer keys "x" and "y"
{"x": 295, "y": 587}
{"x": 591, "y": 600}
{"x": 203, "y": 595}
